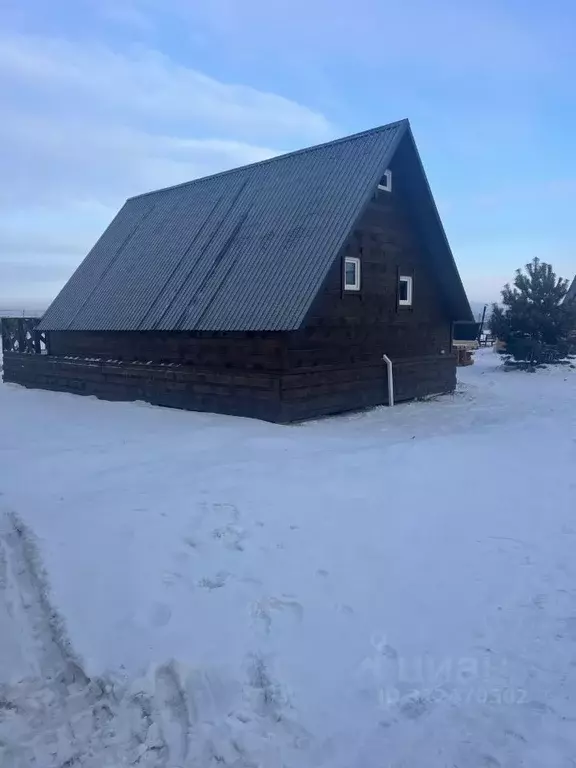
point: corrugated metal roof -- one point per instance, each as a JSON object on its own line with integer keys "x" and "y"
{"x": 246, "y": 249}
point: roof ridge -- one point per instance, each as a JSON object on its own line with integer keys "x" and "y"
{"x": 284, "y": 155}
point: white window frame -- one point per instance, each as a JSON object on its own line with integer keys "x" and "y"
{"x": 355, "y": 286}
{"x": 386, "y": 183}
{"x": 407, "y": 302}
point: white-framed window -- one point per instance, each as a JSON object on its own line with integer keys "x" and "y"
{"x": 405, "y": 290}
{"x": 386, "y": 182}
{"x": 351, "y": 273}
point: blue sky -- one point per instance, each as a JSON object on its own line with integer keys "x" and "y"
{"x": 102, "y": 99}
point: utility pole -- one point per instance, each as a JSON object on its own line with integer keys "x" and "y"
{"x": 482, "y": 321}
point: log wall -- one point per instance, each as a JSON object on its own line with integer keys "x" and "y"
{"x": 233, "y": 393}
{"x": 277, "y": 397}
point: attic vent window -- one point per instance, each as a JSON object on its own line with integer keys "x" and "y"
{"x": 386, "y": 183}
{"x": 351, "y": 273}
{"x": 405, "y": 285}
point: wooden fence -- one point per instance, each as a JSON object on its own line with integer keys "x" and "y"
{"x": 19, "y": 334}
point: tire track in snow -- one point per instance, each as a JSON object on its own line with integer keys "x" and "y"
{"x": 26, "y": 596}
{"x": 55, "y": 716}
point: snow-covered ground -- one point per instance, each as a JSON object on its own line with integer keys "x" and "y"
{"x": 386, "y": 589}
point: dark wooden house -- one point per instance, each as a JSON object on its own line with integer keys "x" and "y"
{"x": 272, "y": 290}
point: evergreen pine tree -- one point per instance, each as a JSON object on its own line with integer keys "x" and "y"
{"x": 533, "y": 313}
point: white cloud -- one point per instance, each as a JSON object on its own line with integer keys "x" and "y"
{"x": 55, "y": 159}
{"x": 85, "y": 126}
{"x": 146, "y": 84}
{"x": 40, "y": 246}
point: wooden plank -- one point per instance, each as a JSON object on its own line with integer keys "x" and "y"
{"x": 335, "y": 388}
{"x": 314, "y": 378}
{"x": 246, "y": 395}
{"x": 248, "y": 350}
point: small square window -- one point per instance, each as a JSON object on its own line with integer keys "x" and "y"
{"x": 405, "y": 291}
{"x": 351, "y": 273}
{"x": 386, "y": 182}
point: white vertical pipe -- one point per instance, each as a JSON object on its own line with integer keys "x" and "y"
{"x": 390, "y": 379}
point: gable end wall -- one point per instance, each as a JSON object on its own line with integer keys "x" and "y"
{"x": 335, "y": 361}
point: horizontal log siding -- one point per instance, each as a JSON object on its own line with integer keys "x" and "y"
{"x": 272, "y": 397}
{"x": 315, "y": 393}
{"x": 234, "y": 393}
{"x": 254, "y": 351}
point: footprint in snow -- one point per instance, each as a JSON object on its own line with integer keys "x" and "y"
{"x": 487, "y": 761}
{"x": 414, "y": 708}
{"x": 216, "y": 582}
{"x": 516, "y": 736}
{"x": 172, "y": 711}
{"x": 232, "y": 536}
{"x": 264, "y": 609}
